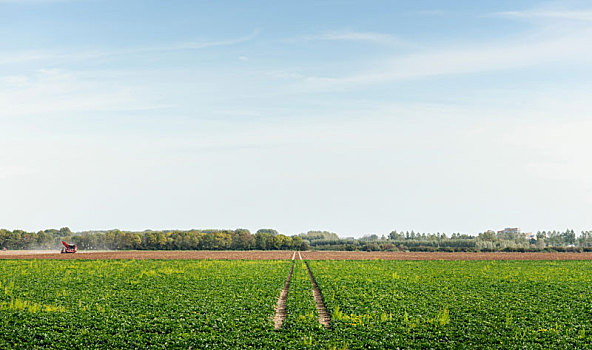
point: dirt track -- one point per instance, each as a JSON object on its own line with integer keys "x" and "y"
{"x": 324, "y": 317}
{"x": 280, "y": 308}
{"x": 272, "y": 255}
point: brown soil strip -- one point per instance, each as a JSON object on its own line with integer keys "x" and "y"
{"x": 150, "y": 254}
{"x": 324, "y": 317}
{"x": 280, "y": 308}
{"x": 343, "y": 255}
{"x": 285, "y": 254}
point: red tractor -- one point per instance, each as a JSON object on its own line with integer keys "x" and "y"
{"x": 68, "y": 248}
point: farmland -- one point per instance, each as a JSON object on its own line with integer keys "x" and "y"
{"x": 279, "y": 254}
{"x": 459, "y": 304}
{"x": 149, "y": 254}
{"x": 127, "y": 303}
{"x": 224, "y": 304}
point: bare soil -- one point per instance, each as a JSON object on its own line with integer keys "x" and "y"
{"x": 279, "y": 255}
{"x": 342, "y": 255}
{"x": 148, "y": 254}
{"x": 324, "y": 317}
{"x": 280, "y": 308}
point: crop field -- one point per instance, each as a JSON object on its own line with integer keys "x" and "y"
{"x": 459, "y": 304}
{"x": 283, "y": 254}
{"x": 128, "y": 303}
{"x": 233, "y": 304}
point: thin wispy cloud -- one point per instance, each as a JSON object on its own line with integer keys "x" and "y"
{"x": 572, "y": 46}
{"x": 57, "y": 91}
{"x": 78, "y": 54}
{"x": 344, "y": 109}
{"x": 584, "y": 15}
{"x": 364, "y": 37}
{"x": 535, "y": 48}
{"x": 195, "y": 45}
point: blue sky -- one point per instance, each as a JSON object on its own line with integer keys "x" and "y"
{"x": 348, "y": 116}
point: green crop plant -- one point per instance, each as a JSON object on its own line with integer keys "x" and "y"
{"x": 459, "y": 304}
{"x": 227, "y": 304}
{"x": 132, "y": 304}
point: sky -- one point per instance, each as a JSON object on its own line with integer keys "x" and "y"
{"x": 356, "y": 117}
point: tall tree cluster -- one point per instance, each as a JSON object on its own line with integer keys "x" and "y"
{"x": 240, "y": 239}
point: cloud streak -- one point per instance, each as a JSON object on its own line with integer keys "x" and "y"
{"x": 584, "y": 15}
{"x": 573, "y": 46}
{"x": 76, "y": 54}
{"x": 377, "y": 38}
{"x": 57, "y": 91}
{"x": 353, "y": 36}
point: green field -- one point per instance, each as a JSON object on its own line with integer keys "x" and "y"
{"x": 230, "y": 304}
{"x": 128, "y": 303}
{"x": 459, "y": 304}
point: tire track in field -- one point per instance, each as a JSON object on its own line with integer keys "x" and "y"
{"x": 324, "y": 317}
{"x": 280, "y": 308}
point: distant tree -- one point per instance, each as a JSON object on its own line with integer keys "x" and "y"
{"x": 488, "y": 236}
{"x": 540, "y": 243}
{"x": 282, "y": 242}
{"x": 394, "y": 235}
{"x": 319, "y": 235}
{"x": 370, "y": 238}
{"x": 569, "y": 237}
{"x": 161, "y": 240}
{"x": 242, "y": 239}
{"x": 298, "y": 243}
{"x": 268, "y": 231}
{"x": 216, "y": 241}
{"x": 372, "y": 247}
{"x": 263, "y": 241}
{"x": 149, "y": 240}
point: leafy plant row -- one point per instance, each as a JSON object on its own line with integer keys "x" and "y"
{"x": 230, "y": 304}
{"x": 458, "y": 304}
{"x": 139, "y": 304}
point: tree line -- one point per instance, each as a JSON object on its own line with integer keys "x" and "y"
{"x": 270, "y": 239}
{"x": 239, "y": 239}
{"x": 488, "y": 241}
